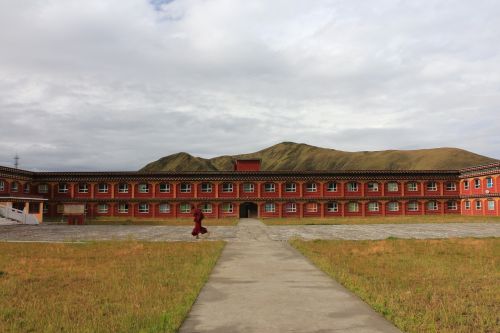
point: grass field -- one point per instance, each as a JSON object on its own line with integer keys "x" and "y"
{"x": 101, "y": 287}
{"x": 420, "y": 285}
{"x": 140, "y": 221}
{"x": 381, "y": 219}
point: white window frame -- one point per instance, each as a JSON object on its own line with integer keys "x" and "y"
{"x": 432, "y": 186}
{"x": 206, "y": 187}
{"x": 43, "y": 188}
{"x": 290, "y": 207}
{"x": 206, "y": 208}
{"x": 451, "y": 205}
{"x": 185, "y": 188}
{"x": 122, "y": 208}
{"x": 248, "y": 187}
{"x": 290, "y": 187}
{"x": 489, "y": 182}
{"x": 392, "y": 187}
{"x": 102, "y": 188}
{"x": 143, "y": 208}
{"x": 164, "y": 208}
{"x": 45, "y": 208}
{"x": 479, "y": 205}
{"x": 373, "y": 206}
{"x": 123, "y": 188}
{"x": 103, "y": 208}
{"x": 372, "y": 187}
{"x": 332, "y": 187}
{"x": 227, "y": 207}
{"x": 466, "y": 184}
{"x": 311, "y": 187}
{"x": 27, "y": 188}
{"x": 491, "y": 204}
{"x": 164, "y": 188}
{"x": 185, "y": 208}
{"x": 270, "y": 187}
{"x": 353, "y": 207}
{"x": 352, "y": 187}
{"x": 434, "y": 203}
{"x": 2, "y": 185}
{"x": 62, "y": 188}
{"x": 227, "y": 188}
{"x": 412, "y": 187}
{"x": 451, "y": 186}
{"x": 413, "y": 206}
{"x": 83, "y": 188}
{"x": 143, "y": 188}
{"x": 477, "y": 183}
{"x": 14, "y": 187}
{"x": 270, "y": 207}
{"x": 312, "y": 207}
{"x": 393, "y": 206}
{"x": 332, "y": 207}
{"x": 467, "y": 205}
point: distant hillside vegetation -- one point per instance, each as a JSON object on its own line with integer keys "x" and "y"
{"x": 299, "y": 156}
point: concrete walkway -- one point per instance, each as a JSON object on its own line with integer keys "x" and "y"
{"x": 260, "y": 285}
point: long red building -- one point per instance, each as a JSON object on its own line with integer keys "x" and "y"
{"x": 249, "y": 192}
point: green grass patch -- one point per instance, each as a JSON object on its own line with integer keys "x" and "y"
{"x": 381, "y": 220}
{"x": 229, "y": 221}
{"x": 420, "y": 285}
{"x": 101, "y": 286}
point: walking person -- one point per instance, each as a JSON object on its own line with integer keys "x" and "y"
{"x": 198, "y": 217}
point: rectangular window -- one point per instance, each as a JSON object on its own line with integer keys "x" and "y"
{"x": 227, "y": 207}
{"x": 290, "y": 187}
{"x": 412, "y": 187}
{"x": 102, "y": 208}
{"x": 489, "y": 182}
{"x": 332, "y": 207}
{"x": 312, "y": 207}
{"x": 227, "y": 187}
{"x": 164, "y": 208}
{"x": 206, "y": 188}
{"x": 45, "y": 208}
{"x": 432, "y": 205}
{"x": 248, "y": 187}
{"x": 477, "y": 183}
{"x": 467, "y": 205}
{"x": 269, "y": 187}
{"x": 102, "y": 188}
{"x": 83, "y": 188}
{"x": 26, "y": 188}
{"x": 432, "y": 186}
{"x": 185, "y": 188}
{"x": 373, "y": 206}
{"x": 451, "y": 205}
{"x": 413, "y": 206}
{"x": 62, "y": 188}
{"x": 143, "y": 208}
{"x": 43, "y": 188}
{"x": 393, "y": 206}
{"x": 270, "y": 207}
{"x": 206, "y": 208}
{"x": 2, "y": 186}
{"x": 311, "y": 187}
{"x": 123, "y": 208}
{"x": 164, "y": 188}
{"x": 372, "y": 187}
{"x": 331, "y": 187}
{"x": 478, "y": 204}
{"x": 353, "y": 207}
{"x": 392, "y": 187}
{"x": 185, "y": 208}
{"x": 466, "y": 184}
{"x": 352, "y": 187}
{"x": 122, "y": 188}
{"x": 491, "y": 205}
{"x": 451, "y": 186}
{"x": 143, "y": 188}
{"x": 291, "y": 207}
{"x": 14, "y": 187}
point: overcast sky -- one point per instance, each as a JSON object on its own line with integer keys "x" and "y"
{"x": 114, "y": 84}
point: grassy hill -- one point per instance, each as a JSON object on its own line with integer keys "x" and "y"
{"x": 299, "y": 156}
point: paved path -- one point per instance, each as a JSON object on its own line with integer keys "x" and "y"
{"x": 56, "y": 232}
{"x": 260, "y": 285}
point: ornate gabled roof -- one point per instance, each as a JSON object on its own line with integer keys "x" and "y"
{"x": 480, "y": 170}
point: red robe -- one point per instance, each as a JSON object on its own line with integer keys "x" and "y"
{"x": 198, "y": 217}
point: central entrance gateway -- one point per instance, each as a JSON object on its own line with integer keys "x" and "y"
{"x": 248, "y": 209}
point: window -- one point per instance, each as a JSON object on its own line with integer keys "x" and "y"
{"x": 45, "y": 208}
{"x": 270, "y": 207}
{"x": 14, "y": 187}
{"x": 451, "y": 186}
{"x": 143, "y": 188}
{"x": 122, "y": 188}
{"x": 393, "y": 206}
{"x": 227, "y": 187}
{"x": 312, "y": 207}
{"x": 451, "y": 205}
{"x": 34, "y": 208}
{"x": 290, "y": 187}
{"x": 83, "y": 188}
{"x": 477, "y": 183}
{"x": 185, "y": 188}
{"x": 62, "y": 188}
{"x": 478, "y": 204}
{"x": 467, "y": 205}
{"x": 352, "y": 187}
{"x": 2, "y": 185}
{"x": 206, "y": 208}
{"x": 27, "y": 188}
{"x": 432, "y": 186}
{"x": 491, "y": 205}
{"x": 332, "y": 207}
{"x": 311, "y": 187}
{"x": 466, "y": 184}
{"x": 432, "y": 205}
{"x": 269, "y": 187}
{"x": 43, "y": 188}
{"x": 102, "y": 208}
{"x": 206, "y": 187}
{"x": 392, "y": 187}
{"x": 353, "y": 207}
{"x": 248, "y": 187}
{"x": 164, "y": 188}
{"x": 372, "y": 187}
{"x": 227, "y": 207}
{"x": 143, "y": 208}
{"x": 412, "y": 187}
{"x": 331, "y": 187}
{"x": 122, "y": 208}
{"x": 185, "y": 208}
{"x": 102, "y": 188}
{"x": 164, "y": 208}
{"x": 489, "y": 182}
{"x": 373, "y": 206}
{"x": 291, "y": 207}
{"x": 413, "y": 206}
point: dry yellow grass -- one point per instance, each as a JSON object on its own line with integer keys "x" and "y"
{"x": 382, "y": 220}
{"x": 101, "y": 287}
{"x": 420, "y": 285}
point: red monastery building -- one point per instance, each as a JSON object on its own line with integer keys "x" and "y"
{"x": 249, "y": 192}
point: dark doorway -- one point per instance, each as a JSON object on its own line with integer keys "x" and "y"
{"x": 18, "y": 205}
{"x": 248, "y": 209}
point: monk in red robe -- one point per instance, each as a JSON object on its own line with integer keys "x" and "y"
{"x": 198, "y": 229}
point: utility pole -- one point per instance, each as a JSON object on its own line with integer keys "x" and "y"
{"x": 16, "y": 161}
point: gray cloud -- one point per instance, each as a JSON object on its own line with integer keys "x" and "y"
{"x": 115, "y": 84}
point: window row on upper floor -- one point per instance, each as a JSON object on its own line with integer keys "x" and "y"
{"x": 477, "y": 183}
